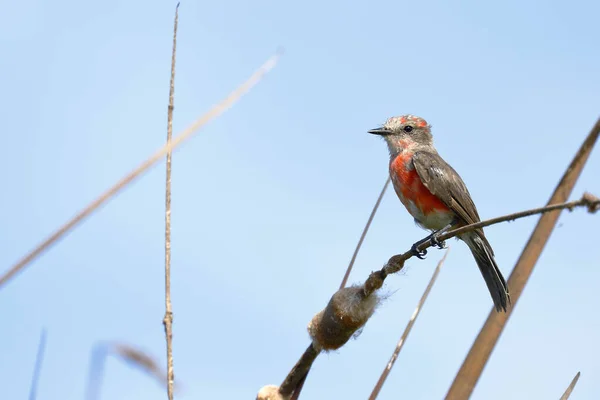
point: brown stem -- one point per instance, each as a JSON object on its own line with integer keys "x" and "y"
{"x": 168, "y": 318}
{"x": 299, "y": 371}
{"x": 300, "y": 384}
{"x": 215, "y": 111}
{"x": 587, "y": 200}
{"x": 472, "y": 367}
{"x": 584, "y": 201}
{"x": 569, "y": 390}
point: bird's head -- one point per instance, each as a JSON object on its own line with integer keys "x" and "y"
{"x": 405, "y": 132}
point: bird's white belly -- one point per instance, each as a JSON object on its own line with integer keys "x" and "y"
{"x": 434, "y": 220}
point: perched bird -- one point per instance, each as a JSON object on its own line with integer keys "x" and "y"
{"x": 436, "y": 196}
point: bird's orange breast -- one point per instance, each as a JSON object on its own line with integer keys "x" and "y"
{"x": 409, "y": 187}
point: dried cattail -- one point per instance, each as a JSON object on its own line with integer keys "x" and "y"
{"x": 270, "y": 392}
{"x": 395, "y": 264}
{"x": 348, "y": 310}
{"x": 374, "y": 282}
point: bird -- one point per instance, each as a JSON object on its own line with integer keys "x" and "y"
{"x": 436, "y": 197}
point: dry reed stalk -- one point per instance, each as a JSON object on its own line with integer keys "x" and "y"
{"x": 472, "y": 367}
{"x": 215, "y": 111}
{"x": 168, "y": 318}
{"x": 569, "y": 390}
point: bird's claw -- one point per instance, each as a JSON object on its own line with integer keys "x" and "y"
{"x": 435, "y": 242}
{"x": 418, "y": 253}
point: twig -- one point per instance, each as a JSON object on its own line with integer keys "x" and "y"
{"x": 217, "y": 110}
{"x": 411, "y": 322}
{"x": 472, "y": 367}
{"x": 168, "y": 318}
{"x": 540, "y": 210}
{"x": 396, "y": 263}
{"x": 300, "y": 385}
{"x": 39, "y": 360}
{"x": 567, "y": 392}
{"x": 587, "y": 200}
{"x": 364, "y": 233}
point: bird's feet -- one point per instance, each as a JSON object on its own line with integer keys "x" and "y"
{"x": 435, "y": 242}
{"x": 418, "y": 253}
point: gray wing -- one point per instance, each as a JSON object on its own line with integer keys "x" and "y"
{"x": 445, "y": 183}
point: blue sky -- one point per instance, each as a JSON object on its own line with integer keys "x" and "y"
{"x": 270, "y": 199}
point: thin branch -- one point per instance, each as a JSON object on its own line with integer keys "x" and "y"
{"x": 411, "y": 322}
{"x": 168, "y": 318}
{"x": 472, "y": 367}
{"x": 364, "y": 233}
{"x": 39, "y": 360}
{"x": 540, "y": 210}
{"x": 567, "y": 392}
{"x": 587, "y": 200}
{"x": 217, "y": 110}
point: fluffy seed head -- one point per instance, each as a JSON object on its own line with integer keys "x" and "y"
{"x": 270, "y": 392}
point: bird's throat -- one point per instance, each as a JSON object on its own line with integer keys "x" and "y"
{"x": 397, "y": 147}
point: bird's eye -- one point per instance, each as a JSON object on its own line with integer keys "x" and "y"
{"x": 408, "y": 129}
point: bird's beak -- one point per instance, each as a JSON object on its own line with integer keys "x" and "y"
{"x": 380, "y": 131}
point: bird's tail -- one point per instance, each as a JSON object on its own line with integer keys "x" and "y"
{"x": 484, "y": 256}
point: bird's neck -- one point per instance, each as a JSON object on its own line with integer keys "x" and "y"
{"x": 402, "y": 146}
{"x": 406, "y": 147}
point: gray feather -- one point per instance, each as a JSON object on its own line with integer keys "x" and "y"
{"x": 445, "y": 183}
